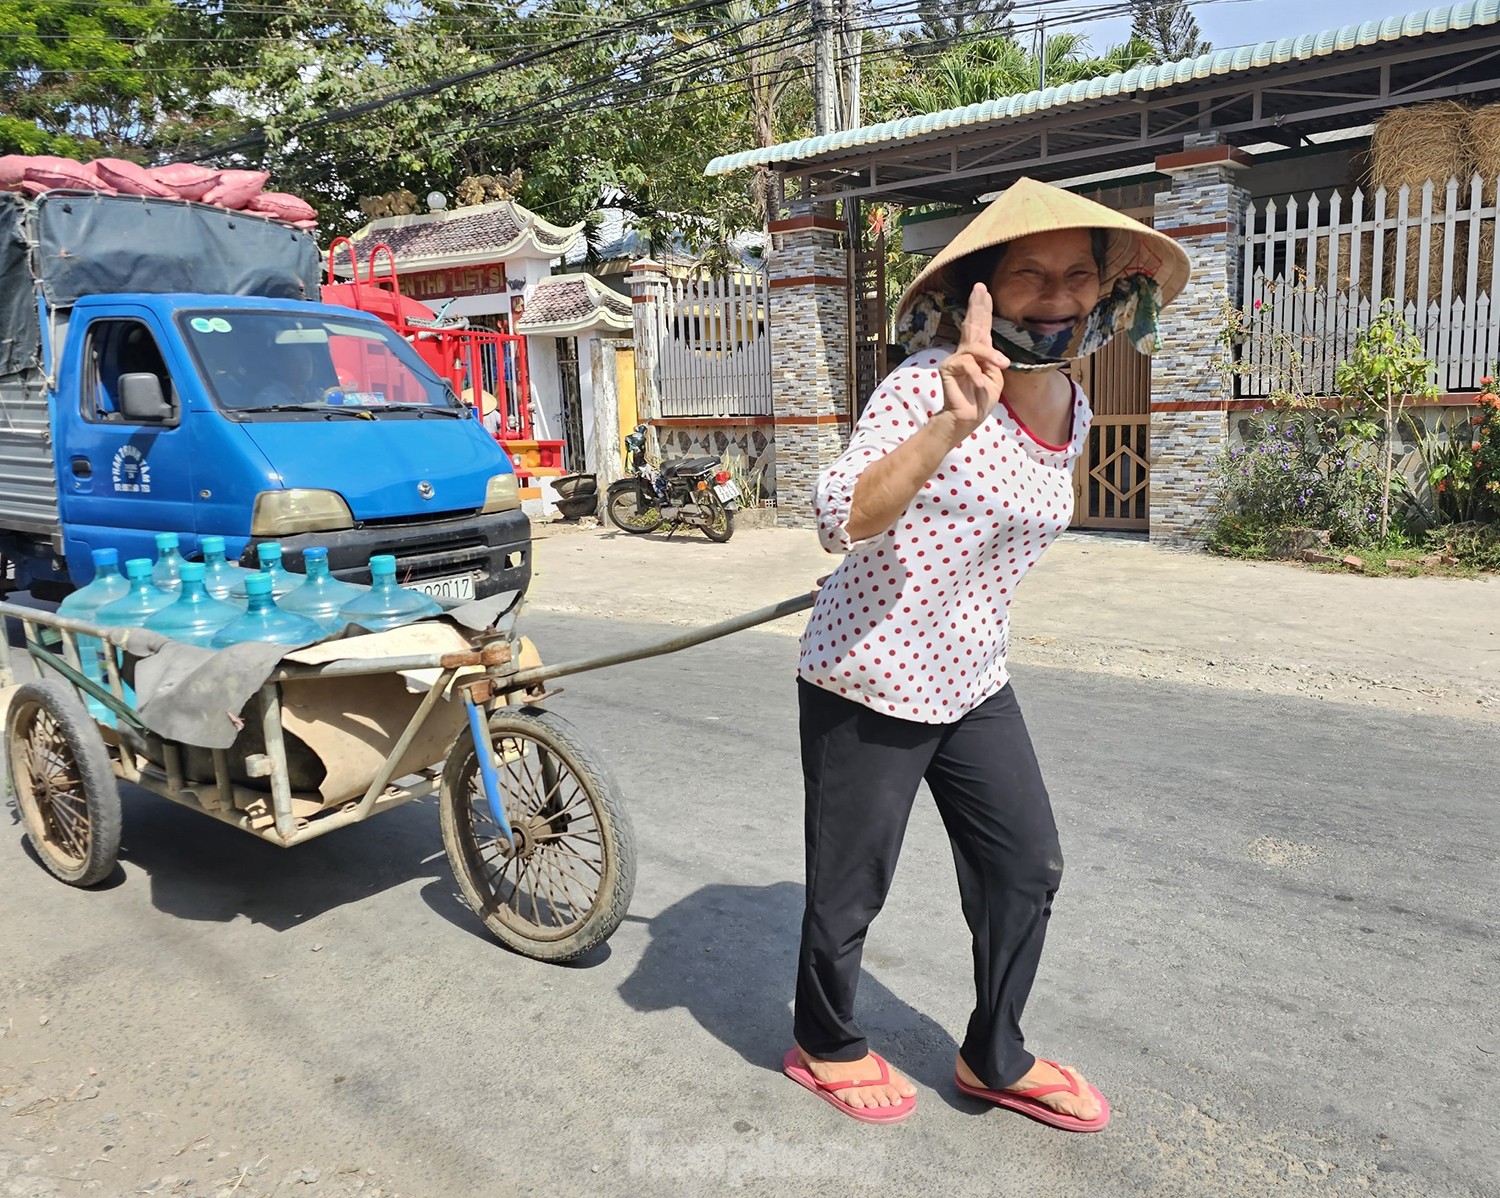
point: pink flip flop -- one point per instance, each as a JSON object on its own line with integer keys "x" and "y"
{"x": 792, "y": 1066}
{"x": 1027, "y": 1104}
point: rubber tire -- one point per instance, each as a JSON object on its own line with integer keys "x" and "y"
{"x": 633, "y": 487}
{"x": 616, "y": 835}
{"x": 96, "y": 778}
{"x": 714, "y": 534}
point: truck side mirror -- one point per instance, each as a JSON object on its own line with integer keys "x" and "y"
{"x": 141, "y": 398}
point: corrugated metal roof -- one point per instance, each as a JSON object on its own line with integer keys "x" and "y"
{"x": 1445, "y": 19}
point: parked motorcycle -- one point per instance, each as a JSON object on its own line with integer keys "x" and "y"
{"x": 684, "y": 493}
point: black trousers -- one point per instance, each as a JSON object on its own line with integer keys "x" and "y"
{"x": 862, "y": 770}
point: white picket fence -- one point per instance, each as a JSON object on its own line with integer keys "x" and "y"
{"x": 1315, "y": 273}
{"x": 715, "y": 356}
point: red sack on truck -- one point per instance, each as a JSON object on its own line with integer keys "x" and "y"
{"x": 50, "y": 172}
{"x": 235, "y": 188}
{"x": 187, "y": 181}
{"x": 12, "y": 171}
{"x": 130, "y": 178}
{"x": 280, "y": 205}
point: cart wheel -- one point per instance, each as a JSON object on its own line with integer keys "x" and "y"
{"x": 64, "y": 785}
{"x": 564, "y": 885}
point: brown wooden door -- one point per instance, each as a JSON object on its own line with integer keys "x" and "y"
{"x": 1111, "y": 484}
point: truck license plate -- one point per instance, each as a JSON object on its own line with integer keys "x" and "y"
{"x": 455, "y": 586}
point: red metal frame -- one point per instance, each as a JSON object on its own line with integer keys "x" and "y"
{"x": 496, "y": 362}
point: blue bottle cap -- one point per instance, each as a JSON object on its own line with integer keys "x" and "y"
{"x": 211, "y": 545}
{"x": 259, "y": 584}
{"x": 268, "y": 552}
{"x": 383, "y": 564}
{"x": 139, "y": 567}
{"x": 106, "y": 557}
{"x": 192, "y": 571}
{"x": 166, "y": 540}
{"x": 317, "y": 552}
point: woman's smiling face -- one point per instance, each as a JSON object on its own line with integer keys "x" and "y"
{"x": 1047, "y": 282}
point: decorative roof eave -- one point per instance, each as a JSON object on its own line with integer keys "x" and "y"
{"x": 1219, "y": 63}
{"x": 538, "y": 238}
{"x": 607, "y": 310}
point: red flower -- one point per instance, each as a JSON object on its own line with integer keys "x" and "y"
{"x": 1442, "y": 485}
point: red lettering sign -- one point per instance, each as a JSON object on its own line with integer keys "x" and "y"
{"x": 454, "y": 282}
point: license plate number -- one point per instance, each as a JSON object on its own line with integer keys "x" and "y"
{"x": 726, "y": 491}
{"x": 456, "y": 586}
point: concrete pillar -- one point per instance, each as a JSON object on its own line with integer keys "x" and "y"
{"x": 809, "y": 356}
{"x": 648, "y": 291}
{"x": 1205, "y": 211}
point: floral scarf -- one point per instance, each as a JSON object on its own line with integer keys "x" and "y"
{"x": 1131, "y": 307}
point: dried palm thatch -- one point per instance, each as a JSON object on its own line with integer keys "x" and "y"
{"x": 1484, "y": 144}
{"x": 1409, "y": 147}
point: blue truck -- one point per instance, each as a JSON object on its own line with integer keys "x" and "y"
{"x": 167, "y": 367}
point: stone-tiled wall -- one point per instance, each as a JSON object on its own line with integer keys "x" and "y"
{"x": 809, "y": 358}
{"x": 1185, "y": 440}
{"x": 756, "y": 445}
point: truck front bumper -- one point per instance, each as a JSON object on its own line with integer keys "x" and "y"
{"x": 496, "y": 549}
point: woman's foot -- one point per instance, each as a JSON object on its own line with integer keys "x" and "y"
{"x": 894, "y": 1092}
{"x": 1083, "y": 1104}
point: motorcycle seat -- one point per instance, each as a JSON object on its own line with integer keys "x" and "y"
{"x": 688, "y": 466}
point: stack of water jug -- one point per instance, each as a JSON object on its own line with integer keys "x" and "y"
{"x": 214, "y": 604}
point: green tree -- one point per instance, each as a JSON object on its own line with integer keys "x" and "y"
{"x": 1168, "y": 27}
{"x": 946, "y": 21}
{"x": 996, "y": 67}
{"x": 86, "y": 77}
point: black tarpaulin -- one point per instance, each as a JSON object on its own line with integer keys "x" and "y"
{"x": 20, "y": 335}
{"x": 99, "y": 245}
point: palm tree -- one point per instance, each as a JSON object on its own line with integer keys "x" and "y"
{"x": 990, "y": 68}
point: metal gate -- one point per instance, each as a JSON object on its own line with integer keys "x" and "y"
{"x": 1112, "y": 481}
{"x": 572, "y": 404}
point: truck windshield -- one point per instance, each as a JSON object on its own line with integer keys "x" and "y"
{"x": 284, "y": 365}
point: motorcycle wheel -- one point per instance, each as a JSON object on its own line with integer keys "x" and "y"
{"x": 719, "y": 525}
{"x": 631, "y": 511}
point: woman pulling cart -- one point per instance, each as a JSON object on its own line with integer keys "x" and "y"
{"x": 958, "y": 477}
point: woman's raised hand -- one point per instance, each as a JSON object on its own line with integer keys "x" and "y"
{"x": 974, "y": 376}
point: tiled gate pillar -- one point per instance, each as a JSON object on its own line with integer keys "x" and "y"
{"x": 809, "y": 357}
{"x": 1205, "y": 211}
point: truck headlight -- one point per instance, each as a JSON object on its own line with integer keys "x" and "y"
{"x": 299, "y": 509}
{"x": 503, "y": 494}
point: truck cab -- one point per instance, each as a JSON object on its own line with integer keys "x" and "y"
{"x": 252, "y": 418}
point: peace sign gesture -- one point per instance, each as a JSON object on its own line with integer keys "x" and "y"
{"x": 974, "y": 377}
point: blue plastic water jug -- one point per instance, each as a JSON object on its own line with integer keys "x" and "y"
{"x": 268, "y": 553}
{"x": 322, "y": 596}
{"x": 219, "y": 577}
{"x": 142, "y": 600}
{"x": 167, "y": 573}
{"x": 83, "y": 604}
{"x": 387, "y": 605}
{"x": 263, "y": 620}
{"x": 197, "y": 615}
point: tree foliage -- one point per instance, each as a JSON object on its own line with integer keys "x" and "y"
{"x": 1168, "y": 27}
{"x": 943, "y": 21}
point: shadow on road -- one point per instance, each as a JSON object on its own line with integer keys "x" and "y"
{"x": 200, "y": 869}
{"x": 728, "y": 955}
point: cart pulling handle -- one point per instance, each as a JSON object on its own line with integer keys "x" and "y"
{"x": 527, "y": 679}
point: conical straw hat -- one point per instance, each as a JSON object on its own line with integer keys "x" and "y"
{"x": 1028, "y": 207}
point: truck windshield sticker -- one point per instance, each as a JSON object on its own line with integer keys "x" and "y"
{"x": 130, "y": 471}
{"x": 365, "y": 399}
{"x": 202, "y": 324}
{"x": 219, "y": 325}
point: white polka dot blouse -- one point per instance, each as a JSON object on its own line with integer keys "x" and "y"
{"x": 915, "y": 622}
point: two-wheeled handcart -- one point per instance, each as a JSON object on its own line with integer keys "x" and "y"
{"x": 291, "y": 744}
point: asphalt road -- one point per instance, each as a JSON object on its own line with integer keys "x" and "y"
{"x": 1274, "y": 950}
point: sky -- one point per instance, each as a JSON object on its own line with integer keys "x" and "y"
{"x": 1227, "y": 23}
